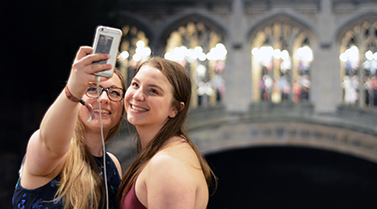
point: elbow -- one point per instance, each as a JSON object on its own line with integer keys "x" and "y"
{"x": 52, "y": 144}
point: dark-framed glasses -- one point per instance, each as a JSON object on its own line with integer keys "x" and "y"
{"x": 115, "y": 94}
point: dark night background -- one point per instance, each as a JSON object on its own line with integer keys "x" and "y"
{"x": 292, "y": 177}
{"x": 39, "y": 42}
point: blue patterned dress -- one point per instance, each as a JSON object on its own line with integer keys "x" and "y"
{"x": 41, "y": 198}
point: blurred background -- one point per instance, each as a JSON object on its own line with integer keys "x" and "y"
{"x": 284, "y": 104}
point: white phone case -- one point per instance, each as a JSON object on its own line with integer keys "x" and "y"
{"x": 107, "y": 40}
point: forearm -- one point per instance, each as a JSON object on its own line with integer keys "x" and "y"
{"x": 58, "y": 124}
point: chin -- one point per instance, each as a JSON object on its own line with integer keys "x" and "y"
{"x": 97, "y": 123}
{"x": 133, "y": 121}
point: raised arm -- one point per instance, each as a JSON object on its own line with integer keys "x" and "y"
{"x": 48, "y": 146}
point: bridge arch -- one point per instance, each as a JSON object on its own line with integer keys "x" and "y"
{"x": 232, "y": 135}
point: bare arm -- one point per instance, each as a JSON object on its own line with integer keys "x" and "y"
{"x": 116, "y": 162}
{"x": 48, "y": 146}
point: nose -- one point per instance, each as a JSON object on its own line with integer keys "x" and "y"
{"x": 138, "y": 95}
{"x": 103, "y": 97}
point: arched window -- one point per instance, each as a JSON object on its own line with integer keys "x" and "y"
{"x": 281, "y": 60}
{"x": 358, "y": 57}
{"x": 200, "y": 49}
{"x": 133, "y": 50}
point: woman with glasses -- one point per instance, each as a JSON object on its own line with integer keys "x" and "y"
{"x": 63, "y": 165}
{"x": 169, "y": 171}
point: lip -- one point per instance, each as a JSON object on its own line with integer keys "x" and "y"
{"x": 137, "y": 108}
{"x": 103, "y": 111}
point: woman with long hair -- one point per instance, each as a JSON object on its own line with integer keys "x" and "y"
{"x": 63, "y": 165}
{"x": 169, "y": 171}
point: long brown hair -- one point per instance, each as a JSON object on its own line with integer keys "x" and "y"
{"x": 180, "y": 80}
{"x": 80, "y": 184}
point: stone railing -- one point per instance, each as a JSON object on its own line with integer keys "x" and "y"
{"x": 348, "y": 130}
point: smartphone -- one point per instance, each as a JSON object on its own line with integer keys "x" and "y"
{"x": 107, "y": 40}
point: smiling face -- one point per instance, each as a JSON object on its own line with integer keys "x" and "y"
{"x": 148, "y": 100}
{"x": 110, "y": 111}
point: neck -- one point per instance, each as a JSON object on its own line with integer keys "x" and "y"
{"x": 146, "y": 134}
{"x": 94, "y": 143}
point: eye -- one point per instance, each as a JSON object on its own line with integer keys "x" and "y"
{"x": 92, "y": 91}
{"x": 134, "y": 84}
{"x": 154, "y": 91}
{"x": 90, "y": 88}
{"x": 115, "y": 92}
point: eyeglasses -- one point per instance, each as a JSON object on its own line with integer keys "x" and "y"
{"x": 113, "y": 93}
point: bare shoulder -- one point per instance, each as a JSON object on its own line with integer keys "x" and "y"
{"x": 177, "y": 153}
{"x": 174, "y": 178}
{"x": 177, "y": 161}
{"x": 116, "y": 162}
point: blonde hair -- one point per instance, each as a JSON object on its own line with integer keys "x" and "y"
{"x": 80, "y": 185}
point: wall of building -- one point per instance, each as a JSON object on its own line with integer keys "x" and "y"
{"x": 323, "y": 123}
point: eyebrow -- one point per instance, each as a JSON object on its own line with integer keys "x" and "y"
{"x": 112, "y": 86}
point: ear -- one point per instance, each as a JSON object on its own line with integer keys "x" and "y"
{"x": 174, "y": 111}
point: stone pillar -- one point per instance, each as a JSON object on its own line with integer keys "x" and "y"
{"x": 326, "y": 82}
{"x": 237, "y": 74}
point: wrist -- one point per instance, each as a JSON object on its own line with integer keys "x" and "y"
{"x": 70, "y": 95}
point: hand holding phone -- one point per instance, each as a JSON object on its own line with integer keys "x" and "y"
{"x": 107, "y": 40}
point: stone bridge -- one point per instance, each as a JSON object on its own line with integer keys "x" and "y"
{"x": 348, "y": 131}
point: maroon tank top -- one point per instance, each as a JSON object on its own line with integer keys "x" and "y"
{"x": 131, "y": 201}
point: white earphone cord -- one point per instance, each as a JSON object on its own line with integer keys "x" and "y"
{"x": 103, "y": 146}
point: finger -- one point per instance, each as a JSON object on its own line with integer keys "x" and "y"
{"x": 89, "y": 59}
{"x": 83, "y": 51}
{"x": 94, "y": 68}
